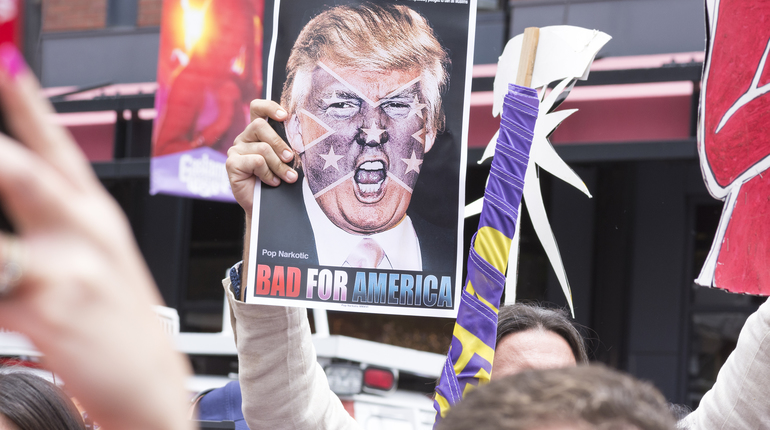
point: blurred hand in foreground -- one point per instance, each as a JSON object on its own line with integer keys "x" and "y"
{"x": 84, "y": 294}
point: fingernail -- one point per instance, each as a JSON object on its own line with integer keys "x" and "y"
{"x": 287, "y": 155}
{"x": 11, "y": 60}
{"x": 280, "y": 113}
{"x": 291, "y": 175}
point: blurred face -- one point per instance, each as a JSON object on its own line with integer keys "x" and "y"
{"x": 362, "y": 137}
{"x": 531, "y": 349}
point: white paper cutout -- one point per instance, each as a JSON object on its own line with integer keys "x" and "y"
{"x": 563, "y": 51}
{"x": 565, "y": 54}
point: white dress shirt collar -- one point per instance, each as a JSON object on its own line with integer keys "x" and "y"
{"x": 334, "y": 245}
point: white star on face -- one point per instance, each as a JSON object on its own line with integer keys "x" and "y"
{"x": 333, "y": 99}
{"x": 413, "y": 163}
{"x": 331, "y": 159}
{"x": 415, "y": 108}
{"x": 373, "y": 134}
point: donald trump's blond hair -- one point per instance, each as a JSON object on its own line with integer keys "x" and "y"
{"x": 371, "y": 38}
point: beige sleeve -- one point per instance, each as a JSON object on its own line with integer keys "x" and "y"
{"x": 739, "y": 398}
{"x": 282, "y": 384}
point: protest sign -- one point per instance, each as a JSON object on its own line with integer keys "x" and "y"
{"x": 377, "y": 96}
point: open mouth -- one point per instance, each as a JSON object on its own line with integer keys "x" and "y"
{"x": 369, "y": 178}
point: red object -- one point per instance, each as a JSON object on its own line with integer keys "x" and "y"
{"x": 735, "y": 144}
{"x": 11, "y": 13}
{"x": 15, "y": 362}
{"x": 349, "y": 406}
{"x": 743, "y": 264}
{"x": 740, "y": 42}
{"x": 379, "y": 379}
{"x": 658, "y": 111}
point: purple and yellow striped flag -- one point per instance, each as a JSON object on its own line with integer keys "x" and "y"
{"x": 470, "y": 356}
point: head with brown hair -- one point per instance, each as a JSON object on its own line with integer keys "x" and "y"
{"x": 29, "y": 402}
{"x": 532, "y": 336}
{"x": 363, "y": 92}
{"x": 574, "y": 398}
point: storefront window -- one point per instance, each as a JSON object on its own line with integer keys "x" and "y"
{"x": 121, "y": 13}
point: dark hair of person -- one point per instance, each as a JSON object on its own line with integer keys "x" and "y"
{"x": 520, "y": 317}
{"x": 582, "y": 397}
{"x": 32, "y": 403}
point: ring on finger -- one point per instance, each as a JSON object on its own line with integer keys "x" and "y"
{"x": 10, "y": 265}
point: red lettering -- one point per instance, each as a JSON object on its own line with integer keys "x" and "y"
{"x": 263, "y": 280}
{"x": 293, "y": 279}
{"x": 278, "y": 284}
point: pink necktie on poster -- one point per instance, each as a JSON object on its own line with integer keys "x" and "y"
{"x": 367, "y": 254}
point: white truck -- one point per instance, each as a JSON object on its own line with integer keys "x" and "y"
{"x": 382, "y": 386}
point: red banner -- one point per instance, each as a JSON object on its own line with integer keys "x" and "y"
{"x": 209, "y": 70}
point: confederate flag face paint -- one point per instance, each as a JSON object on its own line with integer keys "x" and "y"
{"x": 363, "y": 138}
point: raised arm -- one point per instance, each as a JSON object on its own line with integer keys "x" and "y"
{"x": 282, "y": 384}
{"x": 738, "y": 399}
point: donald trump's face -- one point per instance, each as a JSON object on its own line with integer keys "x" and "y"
{"x": 362, "y": 136}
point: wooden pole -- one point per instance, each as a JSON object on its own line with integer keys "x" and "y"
{"x": 527, "y": 58}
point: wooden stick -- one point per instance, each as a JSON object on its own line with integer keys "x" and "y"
{"x": 527, "y": 58}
